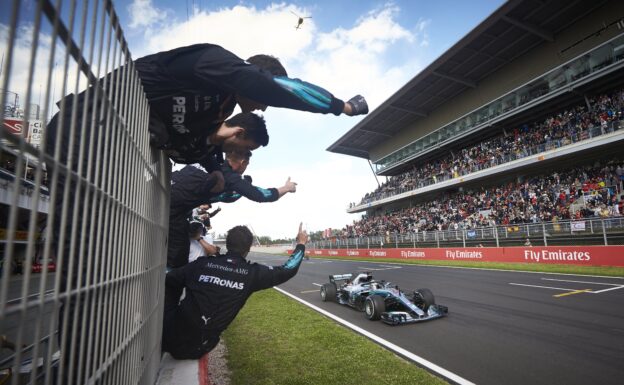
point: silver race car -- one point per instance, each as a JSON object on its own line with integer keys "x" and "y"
{"x": 381, "y": 299}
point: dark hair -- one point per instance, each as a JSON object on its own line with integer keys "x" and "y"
{"x": 195, "y": 228}
{"x": 238, "y": 155}
{"x": 268, "y": 63}
{"x": 239, "y": 240}
{"x": 254, "y": 125}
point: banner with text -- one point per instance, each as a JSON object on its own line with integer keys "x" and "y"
{"x": 571, "y": 255}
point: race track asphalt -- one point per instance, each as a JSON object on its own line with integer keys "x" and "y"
{"x": 502, "y": 328}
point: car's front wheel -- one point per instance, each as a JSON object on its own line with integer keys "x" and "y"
{"x": 374, "y": 306}
{"x": 424, "y": 298}
{"x": 328, "y": 292}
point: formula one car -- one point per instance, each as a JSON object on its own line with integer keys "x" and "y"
{"x": 381, "y": 299}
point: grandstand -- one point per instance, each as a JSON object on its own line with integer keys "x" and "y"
{"x": 530, "y": 102}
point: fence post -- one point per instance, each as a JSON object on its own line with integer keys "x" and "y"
{"x": 396, "y": 240}
{"x": 544, "y": 233}
{"x": 591, "y": 226}
{"x": 414, "y": 239}
{"x": 356, "y": 243}
{"x": 464, "y": 237}
{"x": 367, "y": 242}
{"x": 496, "y": 236}
{"x": 437, "y": 239}
{"x": 604, "y": 233}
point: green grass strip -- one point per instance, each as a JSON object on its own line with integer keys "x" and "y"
{"x": 608, "y": 271}
{"x": 277, "y": 341}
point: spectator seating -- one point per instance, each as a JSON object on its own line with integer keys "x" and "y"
{"x": 588, "y": 191}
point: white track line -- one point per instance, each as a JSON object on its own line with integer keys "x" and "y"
{"x": 388, "y": 345}
{"x": 316, "y": 284}
{"x": 616, "y": 286}
{"x": 541, "y": 287}
{"x": 593, "y": 283}
{"x": 609, "y": 289}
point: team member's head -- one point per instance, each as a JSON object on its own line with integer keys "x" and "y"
{"x": 239, "y": 240}
{"x": 243, "y": 132}
{"x": 238, "y": 161}
{"x": 196, "y": 230}
{"x": 268, "y": 63}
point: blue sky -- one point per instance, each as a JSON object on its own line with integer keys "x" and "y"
{"x": 348, "y": 47}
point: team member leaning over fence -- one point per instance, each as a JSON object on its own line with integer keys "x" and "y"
{"x": 191, "y": 89}
{"x": 191, "y": 186}
{"x": 216, "y": 289}
{"x": 238, "y": 186}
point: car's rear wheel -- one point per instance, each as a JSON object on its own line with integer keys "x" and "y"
{"x": 328, "y": 292}
{"x": 374, "y": 306}
{"x": 424, "y": 298}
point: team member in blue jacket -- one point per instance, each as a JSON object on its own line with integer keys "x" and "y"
{"x": 237, "y": 185}
{"x": 192, "y": 186}
{"x": 216, "y": 289}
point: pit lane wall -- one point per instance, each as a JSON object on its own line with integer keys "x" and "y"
{"x": 569, "y": 255}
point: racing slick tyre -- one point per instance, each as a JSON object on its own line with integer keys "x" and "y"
{"x": 424, "y": 298}
{"x": 374, "y": 306}
{"x": 328, "y": 292}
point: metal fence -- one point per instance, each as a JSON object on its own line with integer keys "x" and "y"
{"x": 84, "y": 202}
{"x": 599, "y": 231}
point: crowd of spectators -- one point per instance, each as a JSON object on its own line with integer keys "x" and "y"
{"x": 580, "y": 192}
{"x": 569, "y": 126}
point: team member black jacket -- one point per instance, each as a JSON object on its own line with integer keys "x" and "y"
{"x": 190, "y": 187}
{"x": 191, "y": 91}
{"x": 216, "y": 290}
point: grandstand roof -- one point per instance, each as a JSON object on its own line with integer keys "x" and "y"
{"x": 512, "y": 30}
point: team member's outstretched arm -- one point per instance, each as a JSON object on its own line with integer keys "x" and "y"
{"x": 269, "y": 276}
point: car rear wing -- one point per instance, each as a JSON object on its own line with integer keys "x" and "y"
{"x": 340, "y": 277}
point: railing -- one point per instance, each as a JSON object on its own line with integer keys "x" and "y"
{"x": 595, "y": 231}
{"x": 81, "y": 295}
{"x": 591, "y": 133}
